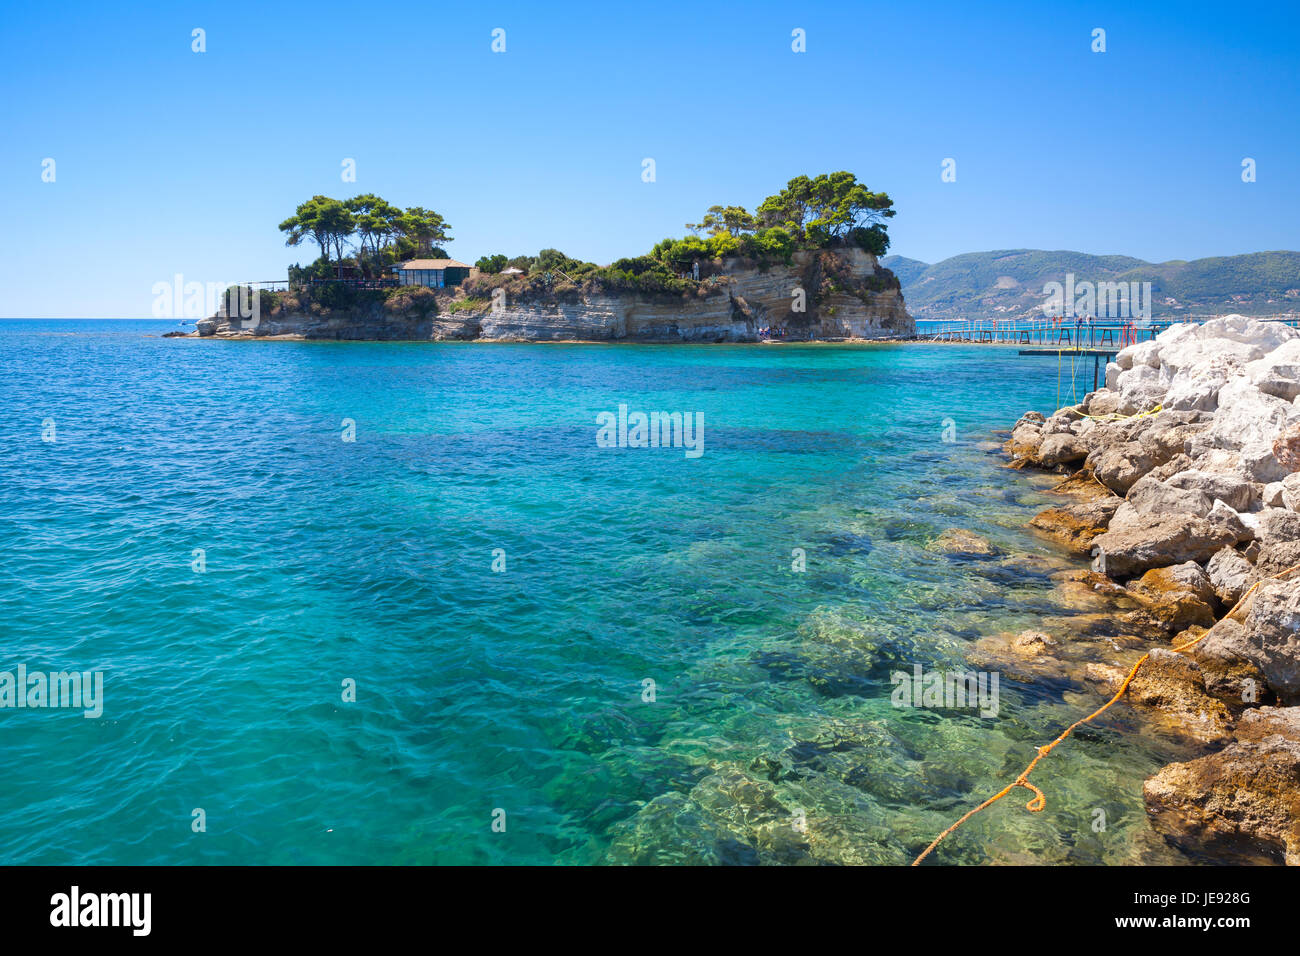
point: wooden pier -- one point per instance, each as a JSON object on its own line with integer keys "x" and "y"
{"x": 1064, "y": 338}
{"x": 1100, "y": 358}
{"x": 1044, "y": 332}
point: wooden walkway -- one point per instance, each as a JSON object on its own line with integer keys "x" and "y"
{"x": 1044, "y": 333}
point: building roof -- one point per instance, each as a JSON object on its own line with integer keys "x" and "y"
{"x": 431, "y": 264}
{"x": 512, "y": 271}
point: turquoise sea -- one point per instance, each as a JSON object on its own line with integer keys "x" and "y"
{"x": 771, "y": 736}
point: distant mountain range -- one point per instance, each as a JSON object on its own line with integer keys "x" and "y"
{"x": 1009, "y": 283}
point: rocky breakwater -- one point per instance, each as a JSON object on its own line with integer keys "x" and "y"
{"x": 829, "y": 294}
{"x": 1182, "y": 483}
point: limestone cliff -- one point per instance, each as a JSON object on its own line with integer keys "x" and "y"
{"x": 846, "y": 294}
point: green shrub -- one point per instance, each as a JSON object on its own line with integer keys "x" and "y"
{"x": 723, "y": 244}
{"x": 337, "y": 295}
{"x": 873, "y": 239}
{"x": 636, "y": 265}
{"x": 468, "y": 305}
{"x": 322, "y": 268}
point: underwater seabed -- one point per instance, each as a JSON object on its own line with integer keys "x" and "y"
{"x": 813, "y": 763}
{"x": 635, "y": 656}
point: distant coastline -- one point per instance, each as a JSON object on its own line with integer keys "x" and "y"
{"x": 1008, "y": 284}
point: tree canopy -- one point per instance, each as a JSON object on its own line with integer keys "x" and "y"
{"x": 327, "y": 221}
{"x": 810, "y": 212}
{"x": 832, "y": 209}
{"x": 375, "y": 220}
{"x": 380, "y": 232}
{"x": 731, "y": 220}
{"x": 423, "y": 227}
{"x": 829, "y": 208}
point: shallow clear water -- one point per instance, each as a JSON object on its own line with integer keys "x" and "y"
{"x": 372, "y": 561}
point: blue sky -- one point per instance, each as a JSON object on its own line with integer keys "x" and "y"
{"x": 170, "y": 161}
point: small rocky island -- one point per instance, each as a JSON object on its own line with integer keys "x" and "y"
{"x": 803, "y": 266}
{"x": 1182, "y": 482}
{"x": 829, "y": 294}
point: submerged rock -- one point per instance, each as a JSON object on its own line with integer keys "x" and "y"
{"x": 1172, "y": 684}
{"x": 1243, "y": 800}
{"x": 1091, "y": 589}
{"x": 961, "y": 541}
{"x": 1033, "y": 643}
{"x": 832, "y": 798}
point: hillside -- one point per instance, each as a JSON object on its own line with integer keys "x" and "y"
{"x": 1009, "y": 283}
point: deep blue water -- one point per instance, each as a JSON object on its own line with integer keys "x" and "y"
{"x": 522, "y": 691}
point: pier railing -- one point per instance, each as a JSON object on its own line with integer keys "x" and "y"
{"x": 357, "y": 283}
{"x": 1059, "y": 332}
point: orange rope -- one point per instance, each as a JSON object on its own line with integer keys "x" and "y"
{"x": 1039, "y": 801}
